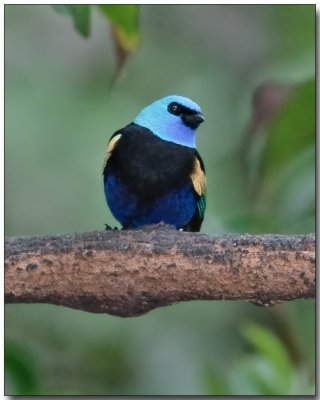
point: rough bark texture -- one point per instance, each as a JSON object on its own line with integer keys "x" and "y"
{"x": 128, "y": 273}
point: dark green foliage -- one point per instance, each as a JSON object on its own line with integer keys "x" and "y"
{"x": 122, "y": 17}
{"x": 266, "y": 370}
{"x": 286, "y": 166}
{"x": 292, "y": 131}
{"x": 80, "y": 14}
{"x": 20, "y": 373}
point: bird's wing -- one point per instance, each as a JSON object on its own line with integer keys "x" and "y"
{"x": 198, "y": 179}
{"x": 111, "y": 145}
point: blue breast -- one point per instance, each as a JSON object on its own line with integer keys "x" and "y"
{"x": 175, "y": 208}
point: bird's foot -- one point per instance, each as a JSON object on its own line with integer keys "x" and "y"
{"x": 109, "y": 228}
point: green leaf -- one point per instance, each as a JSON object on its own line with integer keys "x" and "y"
{"x": 270, "y": 346}
{"x": 80, "y": 14}
{"x": 285, "y": 181}
{"x": 297, "y": 182}
{"x": 20, "y": 375}
{"x": 124, "y": 20}
{"x": 295, "y": 30}
{"x": 292, "y": 131}
{"x": 268, "y": 369}
{"x": 254, "y": 375}
{"x": 214, "y": 382}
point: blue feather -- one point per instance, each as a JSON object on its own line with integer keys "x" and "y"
{"x": 167, "y": 126}
{"x": 175, "y": 208}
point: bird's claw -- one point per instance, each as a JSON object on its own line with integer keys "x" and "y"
{"x": 109, "y": 228}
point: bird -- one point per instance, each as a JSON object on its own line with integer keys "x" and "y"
{"x": 152, "y": 171}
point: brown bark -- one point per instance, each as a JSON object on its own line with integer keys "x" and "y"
{"x": 128, "y": 273}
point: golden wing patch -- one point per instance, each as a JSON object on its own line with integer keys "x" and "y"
{"x": 111, "y": 146}
{"x": 198, "y": 178}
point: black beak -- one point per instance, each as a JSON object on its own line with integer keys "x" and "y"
{"x": 193, "y": 120}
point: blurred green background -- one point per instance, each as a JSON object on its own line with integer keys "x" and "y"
{"x": 252, "y": 70}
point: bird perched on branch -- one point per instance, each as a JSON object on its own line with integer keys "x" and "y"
{"x": 152, "y": 170}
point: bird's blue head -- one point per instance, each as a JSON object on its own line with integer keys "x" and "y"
{"x": 173, "y": 118}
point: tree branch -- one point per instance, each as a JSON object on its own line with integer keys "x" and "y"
{"x": 128, "y": 273}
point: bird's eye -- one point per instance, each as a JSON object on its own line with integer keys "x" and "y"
{"x": 174, "y": 109}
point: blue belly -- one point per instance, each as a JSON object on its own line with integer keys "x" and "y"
{"x": 175, "y": 208}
